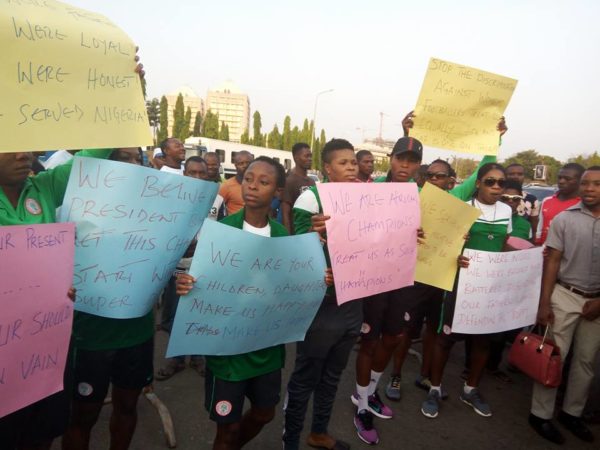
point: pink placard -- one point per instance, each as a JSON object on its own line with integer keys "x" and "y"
{"x": 35, "y": 327}
{"x": 371, "y": 236}
{"x": 519, "y": 243}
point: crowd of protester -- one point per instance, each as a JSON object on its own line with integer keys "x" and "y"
{"x": 119, "y": 352}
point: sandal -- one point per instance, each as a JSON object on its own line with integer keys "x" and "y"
{"x": 338, "y": 445}
{"x": 166, "y": 372}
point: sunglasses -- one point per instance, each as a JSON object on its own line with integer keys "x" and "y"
{"x": 489, "y": 182}
{"x": 511, "y": 198}
{"x": 436, "y": 176}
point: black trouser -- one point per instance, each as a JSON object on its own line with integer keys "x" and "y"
{"x": 320, "y": 361}
{"x": 497, "y": 346}
{"x": 169, "y": 307}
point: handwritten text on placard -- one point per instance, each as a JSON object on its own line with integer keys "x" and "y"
{"x": 459, "y": 107}
{"x": 35, "y": 326}
{"x": 445, "y": 221}
{"x": 67, "y": 80}
{"x": 498, "y": 292}
{"x": 133, "y": 226}
{"x": 252, "y": 292}
{"x": 371, "y": 236}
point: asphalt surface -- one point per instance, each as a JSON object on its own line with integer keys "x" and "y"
{"x": 457, "y": 426}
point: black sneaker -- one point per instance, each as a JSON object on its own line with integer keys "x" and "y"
{"x": 576, "y": 426}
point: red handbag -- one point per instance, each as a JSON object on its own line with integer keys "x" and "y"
{"x": 537, "y": 357}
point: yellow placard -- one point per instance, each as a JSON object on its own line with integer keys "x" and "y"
{"x": 459, "y": 108}
{"x": 67, "y": 80}
{"x": 445, "y": 220}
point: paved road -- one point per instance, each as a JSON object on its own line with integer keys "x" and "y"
{"x": 457, "y": 427}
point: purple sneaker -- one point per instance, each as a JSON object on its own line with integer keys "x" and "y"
{"x": 376, "y": 406}
{"x": 380, "y": 409}
{"x": 363, "y": 421}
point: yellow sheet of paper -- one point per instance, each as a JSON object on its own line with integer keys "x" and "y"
{"x": 459, "y": 108}
{"x": 67, "y": 80}
{"x": 445, "y": 220}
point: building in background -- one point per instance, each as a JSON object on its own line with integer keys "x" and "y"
{"x": 232, "y": 106}
{"x": 190, "y": 98}
{"x": 381, "y": 150}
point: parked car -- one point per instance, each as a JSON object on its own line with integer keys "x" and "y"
{"x": 541, "y": 192}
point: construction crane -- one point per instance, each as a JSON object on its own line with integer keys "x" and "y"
{"x": 380, "y": 137}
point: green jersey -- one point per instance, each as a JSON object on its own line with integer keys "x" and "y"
{"x": 42, "y": 194}
{"x": 259, "y": 362}
{"x": 307, "y": 205}
{"x": 463, "y": 191}
{"x": 492, "y": 227}
{"x": 521, "y": 227}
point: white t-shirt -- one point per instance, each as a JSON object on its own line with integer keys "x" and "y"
{"x": 171, "y": 170}
{"x": 264, "y": 231}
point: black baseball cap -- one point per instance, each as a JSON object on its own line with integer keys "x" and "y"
{"x": 408, "y": 144}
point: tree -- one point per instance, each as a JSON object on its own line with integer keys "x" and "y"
{"x": 286, "y": 139}
{"x": 224, "y": 132}
{"x": 210, "y": 125}
{"x": 464, "y": 167}
{"x": 305, "y": 135}
{"x": 257, "y": 134}
{"x": 153, "y": 110}
{"x": 143, "y": 83}
{"x": 197, "y": 124}
{"x": 187, "y": 124}
{"x": 530, "y": 158}
{"x": 245, "y": 137}
{"x": 274, "y": 138}
{"x": 163, "y": 131}
{"x": 316, "y": 151}
{"x": 587, "y": 160}
{"x": 295, "y": 136}
{"x": 382, "y": 165}
{"x": 178, "y": 118}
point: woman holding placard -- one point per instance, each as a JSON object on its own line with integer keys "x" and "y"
{"x": 489, "y": 233}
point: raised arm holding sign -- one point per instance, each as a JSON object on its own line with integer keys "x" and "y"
{"x": 459, "y": 107}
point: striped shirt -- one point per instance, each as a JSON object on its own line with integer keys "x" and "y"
{"x": 490, "y": 230}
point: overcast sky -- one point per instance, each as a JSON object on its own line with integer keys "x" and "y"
{"x": 374, "y": 55}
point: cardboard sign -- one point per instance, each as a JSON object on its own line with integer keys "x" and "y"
{"x": 35, "y": 327}
{"x": 252, "y": 292}
{"x": 459, "y": 108}
{"x": 371, "y": 236}
{"x": 67, "y": 80}
{"x": 498, "y": 292}
{"x": 133, "y": 226}
{"x": 445, "y": 221}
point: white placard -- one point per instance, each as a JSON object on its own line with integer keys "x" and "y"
{"x": 498, "y": 292}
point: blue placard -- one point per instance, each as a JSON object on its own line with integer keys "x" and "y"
{"x": 133, "y": 226}
{"x": 251, "y": 292}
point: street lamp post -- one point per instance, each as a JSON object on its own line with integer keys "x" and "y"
{"x": 312, "y": 137}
